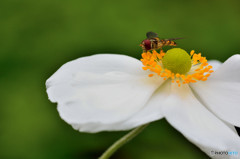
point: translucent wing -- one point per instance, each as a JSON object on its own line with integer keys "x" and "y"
{"x": 173, "y": 39}
{"x": 151, "y": 34}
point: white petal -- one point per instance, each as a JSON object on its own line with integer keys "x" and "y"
{"x": 221, "y": 94}
{"x": 197, "y": 124}
{"x": 231, "y": 127}
{"x": 101, "y": 92}
{"x": 215, "y": 64}
{"x": 152, "y": 109}
{"x": 150, "y": 112}
{"x": 228, "y": 71}
{"x": 222, "y": 98}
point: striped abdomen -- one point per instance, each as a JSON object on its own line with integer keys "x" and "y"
{"x": 168, "y": 43}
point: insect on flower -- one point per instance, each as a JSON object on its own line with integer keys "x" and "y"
{"x": 153, "y": 42}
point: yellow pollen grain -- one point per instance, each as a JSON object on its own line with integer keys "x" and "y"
{"x": 207, "y": 75}
{"x": 144, "y": 68}
{"x": 153, "y": 61}
{"x": 192, "y": 52}
{"x": 150, "y": 75}
{"x": 204, "y": 78}
{"x": 211, "y": 71}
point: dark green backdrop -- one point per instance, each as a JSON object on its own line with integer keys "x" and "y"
{"x": 37, "y": 37}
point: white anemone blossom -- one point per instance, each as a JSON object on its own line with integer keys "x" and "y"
{"x": 109, "y": 92}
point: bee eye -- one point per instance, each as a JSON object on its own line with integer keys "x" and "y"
{"x": 147, "y": 44}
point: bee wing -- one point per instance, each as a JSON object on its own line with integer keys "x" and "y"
{"x": 151, "y": 34}
{"x": 173, "y": 39}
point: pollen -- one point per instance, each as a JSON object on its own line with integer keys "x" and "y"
{"x": 180, "y": 69}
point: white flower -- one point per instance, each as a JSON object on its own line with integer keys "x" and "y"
{"x": 112, "y": 92}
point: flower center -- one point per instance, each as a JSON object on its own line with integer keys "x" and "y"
{"x": 177, "y": 61}
{"x": 177, "y": 65}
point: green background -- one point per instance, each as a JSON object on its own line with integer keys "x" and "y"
{"x": 37, "y": 37}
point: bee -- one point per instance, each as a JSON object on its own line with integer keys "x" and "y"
{"x": 153, "y": 42}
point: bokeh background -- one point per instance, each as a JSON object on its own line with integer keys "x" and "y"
{"x": 37, "y": 37}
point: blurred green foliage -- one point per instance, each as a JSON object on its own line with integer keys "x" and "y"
{"x": 37, "y": 37}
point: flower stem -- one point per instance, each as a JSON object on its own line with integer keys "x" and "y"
{"x": 120, "y": 142}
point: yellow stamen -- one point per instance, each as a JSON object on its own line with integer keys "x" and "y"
{"x": 153, "y": 62}
{"x": 192, "y": 52}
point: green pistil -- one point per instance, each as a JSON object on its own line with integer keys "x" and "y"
{"x": 177, "y": 61}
